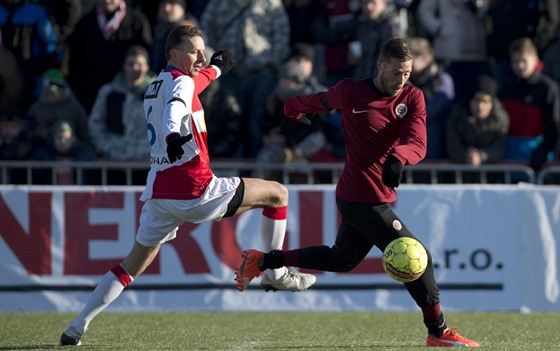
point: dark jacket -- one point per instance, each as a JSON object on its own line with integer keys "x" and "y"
{"x": 486, "y": 135}
{"x": 94, "y": 61}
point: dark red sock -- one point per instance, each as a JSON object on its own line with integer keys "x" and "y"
{"x": 434, "y": 320}
{"x": 277, "y": 259}
{"x": 291, "y": 258}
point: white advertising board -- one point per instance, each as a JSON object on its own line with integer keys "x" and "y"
{"x": 494, "y": 248}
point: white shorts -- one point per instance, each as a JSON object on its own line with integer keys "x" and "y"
{"x": 161, "y": 218}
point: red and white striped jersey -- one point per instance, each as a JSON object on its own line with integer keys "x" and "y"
{"x": 171, "y": 105}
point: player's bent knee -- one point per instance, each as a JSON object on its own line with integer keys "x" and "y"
{"x": 342, "y": 262}
{"x": 280, "y": 194}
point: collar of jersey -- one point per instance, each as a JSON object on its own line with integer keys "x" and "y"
{"x": 173, "y": 68}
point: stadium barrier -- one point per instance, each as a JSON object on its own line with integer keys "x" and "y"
{"x": 134, "y": 172}
{"x": 494, "y": 247}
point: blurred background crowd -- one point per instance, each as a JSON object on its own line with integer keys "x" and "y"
{"x": 72, "y": 75}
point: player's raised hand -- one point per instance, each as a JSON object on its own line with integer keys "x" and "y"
{"x": 175, "y": 144}
{"x": 392, "y": 172}
{"x": 291, "y": 111}
{"x": 222, "y": 59}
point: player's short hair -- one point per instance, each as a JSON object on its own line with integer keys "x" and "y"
{"x": 396, "y": 48}
{"x": 178, "y": 35}
{"x": 522, "y": 45}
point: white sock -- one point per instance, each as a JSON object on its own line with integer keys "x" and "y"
{"x": 272, "y": 235}
{"x": 107, "y": 290}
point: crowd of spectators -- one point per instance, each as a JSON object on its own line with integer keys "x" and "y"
{"x": 72, "y": 74}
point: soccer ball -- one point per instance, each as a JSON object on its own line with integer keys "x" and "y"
{"x": 405, "y": 259}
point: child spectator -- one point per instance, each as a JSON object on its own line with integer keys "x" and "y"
{"x": 533, "y": 104}
{"x": 57, "y": 101}
{"x": 61, "y": 145}
{"x": 477, "y": 130}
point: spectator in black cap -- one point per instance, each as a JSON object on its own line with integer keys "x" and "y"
{"x": 477, "y": 129}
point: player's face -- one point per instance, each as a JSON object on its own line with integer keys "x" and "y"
{"x": 392, "y": 76}
{"x": 189, "y": 57}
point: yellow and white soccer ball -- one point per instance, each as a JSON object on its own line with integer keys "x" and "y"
{"x": 405, "y": 259}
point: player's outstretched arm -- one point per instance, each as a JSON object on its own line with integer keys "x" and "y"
{"x": 222, "y": 60}
{"x": 299, "y": 108}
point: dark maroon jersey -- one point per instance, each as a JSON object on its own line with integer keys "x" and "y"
{"x": 374, "y": 126}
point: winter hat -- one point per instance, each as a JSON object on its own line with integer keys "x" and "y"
{"x": 53, "y": 80}
{"x": 62, "y": 126}
{"x": 486, "y": 88}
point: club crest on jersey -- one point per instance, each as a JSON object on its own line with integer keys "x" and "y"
{"x": 401, "y": 110}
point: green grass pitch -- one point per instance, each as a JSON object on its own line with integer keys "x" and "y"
{"x": 275, "y": 331}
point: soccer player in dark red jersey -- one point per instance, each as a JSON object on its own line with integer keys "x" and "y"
{"x": 384, "y": 128}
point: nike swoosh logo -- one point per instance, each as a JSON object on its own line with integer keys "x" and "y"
{"x": 358, "y": 111}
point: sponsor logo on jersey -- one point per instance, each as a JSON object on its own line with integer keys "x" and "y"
{"x": 153, "y": 89}
{"x": 354, "y": 111}
{"x": 159, "y": 160}
{"x": 401, "y": 110}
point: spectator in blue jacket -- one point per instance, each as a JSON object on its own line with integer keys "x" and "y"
{"x": 29, "y": 33}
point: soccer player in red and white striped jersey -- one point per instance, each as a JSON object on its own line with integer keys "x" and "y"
{"x": 181, "y": 186}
